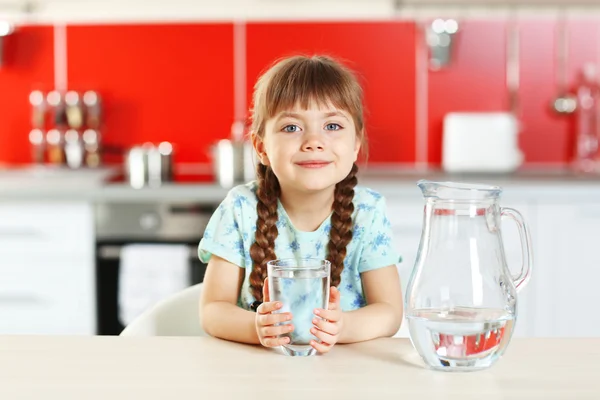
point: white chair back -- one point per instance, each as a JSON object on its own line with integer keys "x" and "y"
{"x": 177, "y": 315}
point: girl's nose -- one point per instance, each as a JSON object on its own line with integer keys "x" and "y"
{"x": 312, "y": 142}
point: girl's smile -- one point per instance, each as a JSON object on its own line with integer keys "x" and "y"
{"x": 313, "y": 164}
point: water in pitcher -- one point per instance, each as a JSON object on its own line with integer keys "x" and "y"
{"x": 300, "y": 291}
{"x": 461, "y": 339}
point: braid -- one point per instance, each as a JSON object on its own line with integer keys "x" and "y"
{"x": 341, "y": 224}
{"x": 263, "y": 248}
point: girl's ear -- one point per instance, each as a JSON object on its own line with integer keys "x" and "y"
{"x": 357, "y": 146}
{"x": 259, "y": 147}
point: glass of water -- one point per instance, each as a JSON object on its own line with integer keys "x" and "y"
{"x": 301, "y": 285}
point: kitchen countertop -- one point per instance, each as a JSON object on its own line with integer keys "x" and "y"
{"x": 52, "y": 184}
{"x": 113, "y": 367}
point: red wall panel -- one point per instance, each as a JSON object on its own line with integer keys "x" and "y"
{"x": 28, "y": 64}
{"x": 475, "y": 79}
{"x": 175, "y": 81}
{"x": 159, "y": 82}
{"x": 383, "y": 54}
{"x": 583, "y": 47}
{"x": 544, "y": 136}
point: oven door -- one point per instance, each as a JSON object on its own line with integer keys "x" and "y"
{"x": 108, "y": 260}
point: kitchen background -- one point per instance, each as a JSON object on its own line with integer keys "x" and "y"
{"x": 86, "y": 250}
{"x": 186, "y": 82}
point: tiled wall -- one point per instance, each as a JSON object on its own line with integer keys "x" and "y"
{"x": 176, "y": 81}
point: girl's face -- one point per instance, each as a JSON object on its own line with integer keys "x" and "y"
{"x": 309, "y": 149}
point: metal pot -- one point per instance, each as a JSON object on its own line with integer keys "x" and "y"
{"x": 234, "y": 162}
{"x": 149, "y": 165}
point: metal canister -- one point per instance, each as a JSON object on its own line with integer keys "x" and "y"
{"x": 150, "y": 165}
{"x": 233, "y": 162}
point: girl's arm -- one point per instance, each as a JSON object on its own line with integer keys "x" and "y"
{"x": 382, "y": 315}
{"x": 220, "y": 315}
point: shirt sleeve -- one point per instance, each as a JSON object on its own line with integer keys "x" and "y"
{"x": 223, "y": 236}
{"x": 378, "y": 249}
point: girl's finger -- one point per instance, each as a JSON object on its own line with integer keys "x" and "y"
{"x": 272, "y": 319}
{"x": 270, "y": 331}
{"x": 330, "y": 315}
{"x": 334, "y": 298}
{"x": 265, "y": 291}
{"x": 324, "y": 336}
{"x": 326, "y": 326}
{"x": 268, "y": 307}
{"x": 320, "y": 347}
{"x": 274, "y": 341}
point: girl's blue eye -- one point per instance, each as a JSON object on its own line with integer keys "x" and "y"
{"x": 333, "y": 127}
{"x": 291, "y": 128}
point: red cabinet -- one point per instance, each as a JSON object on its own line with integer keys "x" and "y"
{"x": 383, "y": 55}
{"x": 160, "y": 82}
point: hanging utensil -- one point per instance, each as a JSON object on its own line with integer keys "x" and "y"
{"x": 565, "y": 102}
{"x": 440, "y": 36}
{"x": 512, "y": 63}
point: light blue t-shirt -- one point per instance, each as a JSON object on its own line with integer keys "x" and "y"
{"x": 230, "y": 233}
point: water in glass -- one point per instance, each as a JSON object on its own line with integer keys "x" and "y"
{"x": 301, "y": 286}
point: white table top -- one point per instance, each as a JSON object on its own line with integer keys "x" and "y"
{"x": 53, "y": 367}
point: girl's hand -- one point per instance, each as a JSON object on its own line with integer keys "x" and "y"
{"x": 265, "y": 321}
{"x": 329, "y": 326}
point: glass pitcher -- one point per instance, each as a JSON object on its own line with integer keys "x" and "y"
{"x": 461, "y": 299}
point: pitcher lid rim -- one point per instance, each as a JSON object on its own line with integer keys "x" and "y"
{"x": 461, "y": 185}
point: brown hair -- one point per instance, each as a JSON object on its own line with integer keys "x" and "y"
{"x": 295, "y": 81}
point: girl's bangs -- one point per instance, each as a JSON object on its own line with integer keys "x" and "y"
{"x": 311, "y": 83}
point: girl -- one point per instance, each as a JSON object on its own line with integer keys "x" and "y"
{"x": 307, "y": 130}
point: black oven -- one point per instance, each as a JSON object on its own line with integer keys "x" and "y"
{"x": 120, "y": 224}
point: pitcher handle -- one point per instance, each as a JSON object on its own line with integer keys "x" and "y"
{"x": 521, "y": 280}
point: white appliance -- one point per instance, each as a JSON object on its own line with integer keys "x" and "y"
{"x": 481, "y": 142}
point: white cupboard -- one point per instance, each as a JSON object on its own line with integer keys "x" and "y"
{"x": 407, "y": 220}
{"x": 47, "y": 268}
{"x": 568, "y": 276}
